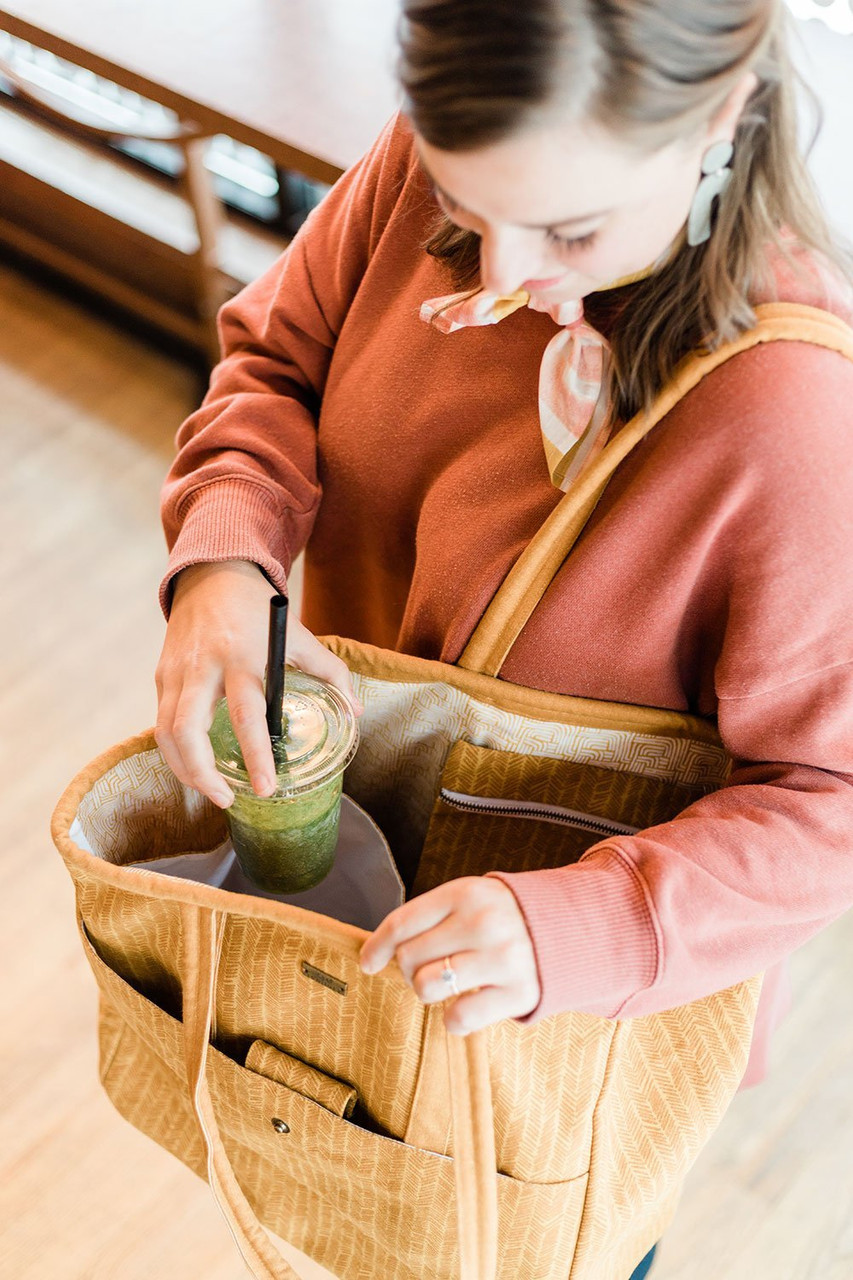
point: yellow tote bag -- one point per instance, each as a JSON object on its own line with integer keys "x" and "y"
{"x": 239, "y": 1033}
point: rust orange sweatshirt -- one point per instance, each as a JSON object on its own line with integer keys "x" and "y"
{"x": 716, "y": 575}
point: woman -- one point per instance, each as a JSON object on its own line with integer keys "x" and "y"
{"x": 416, "y": 382}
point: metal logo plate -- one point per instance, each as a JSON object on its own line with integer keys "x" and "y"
{"x": 326, "y": 979}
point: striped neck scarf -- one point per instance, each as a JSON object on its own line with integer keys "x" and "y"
{"x": 574, "y": 400}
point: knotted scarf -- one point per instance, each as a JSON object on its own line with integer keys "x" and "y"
{"x": 574, "y": 399}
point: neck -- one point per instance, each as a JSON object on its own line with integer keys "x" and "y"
{"x": 659, "y": 263}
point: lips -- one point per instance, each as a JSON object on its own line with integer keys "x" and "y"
{"x": 535, "y": 286}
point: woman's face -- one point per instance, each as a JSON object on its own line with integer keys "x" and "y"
{"x": 565, "y": 210}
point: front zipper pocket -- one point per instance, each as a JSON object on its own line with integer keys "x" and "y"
{"x": 541, "y": 812}
{"x": 506, "y": 811}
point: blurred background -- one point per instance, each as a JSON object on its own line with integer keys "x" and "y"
{"x": 155, "y": 157}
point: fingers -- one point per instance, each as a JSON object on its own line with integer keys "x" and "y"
{"x": 183, "y": 720}
{"x": 215, "y": 646}
{"x": 247, "y": 709}
{"x": 484, "y": 1006}
{"x": 182, "y": 734}
{"x": 476, "y": 921}
{"x": 433, "y": 921}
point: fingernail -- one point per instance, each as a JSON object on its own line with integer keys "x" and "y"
{"x": 223, "y": 799}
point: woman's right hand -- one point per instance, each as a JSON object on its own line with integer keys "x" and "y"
{"x": 216, "y": 644}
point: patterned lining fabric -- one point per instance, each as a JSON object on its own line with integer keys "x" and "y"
{"x": 409, "y": 729}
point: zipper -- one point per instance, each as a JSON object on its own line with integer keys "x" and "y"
{"x": 531, "y": 809}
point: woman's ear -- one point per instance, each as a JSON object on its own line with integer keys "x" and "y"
{"x": 724, "y": 123}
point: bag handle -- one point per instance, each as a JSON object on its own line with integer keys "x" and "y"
{"x": 536, "y": 567}
{"x": 471, "y": 1107}
{"x": 510, "y": 608}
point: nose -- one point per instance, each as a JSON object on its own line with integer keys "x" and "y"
{"x": 507, "y": 259}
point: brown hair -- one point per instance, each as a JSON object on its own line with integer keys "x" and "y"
{"x": 474, "y": 72}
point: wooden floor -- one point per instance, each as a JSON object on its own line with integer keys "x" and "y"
{"x": 87, "y": 419}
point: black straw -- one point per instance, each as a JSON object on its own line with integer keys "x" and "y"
{"x": 275, "y": 663}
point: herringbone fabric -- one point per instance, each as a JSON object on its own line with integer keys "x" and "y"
{"x": 416, "y": 723}
{"x": 241, "y": 1035}
{"x": 540, "y": 832}
{"x": 569, "y": 1094}
{"x": 275, "y": 1065}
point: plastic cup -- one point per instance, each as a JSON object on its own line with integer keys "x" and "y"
{"x": 286, "y": 842}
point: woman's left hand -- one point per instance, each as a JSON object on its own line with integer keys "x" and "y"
{"x": 477, "y": 923}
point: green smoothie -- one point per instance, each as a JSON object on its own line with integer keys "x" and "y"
{"x": 285, "y": 843}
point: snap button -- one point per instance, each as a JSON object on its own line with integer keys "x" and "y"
{"x": 280, "y": 1126}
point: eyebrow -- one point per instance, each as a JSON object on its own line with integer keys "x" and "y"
{"x": 532, "y": 226}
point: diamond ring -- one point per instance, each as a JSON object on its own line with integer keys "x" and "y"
{"x": 449, "y": 976}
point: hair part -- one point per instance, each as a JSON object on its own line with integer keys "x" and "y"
{"x": 475, "y": 72}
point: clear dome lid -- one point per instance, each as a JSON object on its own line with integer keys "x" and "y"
{"x": 319, "y": 736}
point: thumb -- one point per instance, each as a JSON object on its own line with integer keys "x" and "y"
{"x": 306, "y": 653}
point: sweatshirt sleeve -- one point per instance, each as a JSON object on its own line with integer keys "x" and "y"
{"x": 244, "y": 484}
{"x": 746, "y": 875}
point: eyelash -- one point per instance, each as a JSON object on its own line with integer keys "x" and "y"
{"x": 565, "y": 242}
{"x": 561, "y": 242}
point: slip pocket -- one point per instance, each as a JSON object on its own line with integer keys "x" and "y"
{"x": 503, "y": 811}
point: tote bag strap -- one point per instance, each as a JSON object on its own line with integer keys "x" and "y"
{"x": 531, "y": 575}
{"x": 201, "y": 931}
{"x": 471, "y": 1109}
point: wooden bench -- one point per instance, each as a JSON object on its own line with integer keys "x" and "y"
{"x": 307, "y": 82}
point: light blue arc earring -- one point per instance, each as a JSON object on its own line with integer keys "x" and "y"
{"x": 716, "y": 176}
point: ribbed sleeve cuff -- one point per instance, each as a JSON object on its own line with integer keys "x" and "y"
{"x": 229, "y": 520}
{"x": 593, "y": 934}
